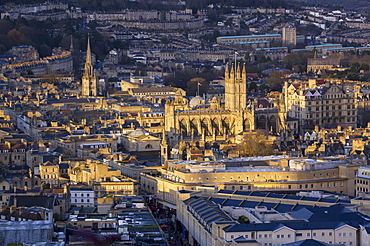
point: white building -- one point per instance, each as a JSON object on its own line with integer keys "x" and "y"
{"x": 82, "y": 197}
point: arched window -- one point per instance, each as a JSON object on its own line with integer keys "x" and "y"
{"x": 148, "y": 146}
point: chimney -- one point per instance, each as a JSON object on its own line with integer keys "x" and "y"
{"x": 2, "y": 207}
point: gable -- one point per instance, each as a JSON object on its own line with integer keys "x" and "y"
{"x": 284, "y": 229}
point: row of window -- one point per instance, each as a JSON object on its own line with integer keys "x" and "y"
{"x": 333, "y": 102}
{"x": 82, "y": 194}
{"x": 305, "y": 186}
{"x": 81, "y": 200}
{"x": 308, "y": 234}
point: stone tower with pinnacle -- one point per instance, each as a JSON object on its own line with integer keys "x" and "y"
{"x": 236, "y": 87}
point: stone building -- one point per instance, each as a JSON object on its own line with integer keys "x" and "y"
{"x": 208, "y": 122}
{"x": 245, "y": 176}
{"x": 140, "y": 142}
{"x": 213, "y": 220}
{"x": 363, "y": 180}
{"x": 328, "y": 104}
{"x": 318, "y": 65}
{"x": 289, "y": 35}
{"x": 49, "y": 173}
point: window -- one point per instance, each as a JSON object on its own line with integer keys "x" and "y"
{"x": 282, "y": 236}
{"x": 323, "y": 234}
{"x": 314, "y": 234}
{"x": 278, "y": 236}
{"x": 260, "y": 236}
{"x": 88, "y": 200}
{"x": 350, "y": 234}
{"x": 330, "y": 234}
{"x": 299, "y": 234}
{"x": 82, "y": 200}
{"x": 288, "y": 235}
{"x": 340, "y": 234}
{"x": 232, "y": 236}
{"x": 308, "y": 234}
{"x": 344, "y": 234}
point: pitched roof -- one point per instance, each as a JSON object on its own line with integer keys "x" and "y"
{"x": 33, "y": 201}
{"x": 307, "y": 242}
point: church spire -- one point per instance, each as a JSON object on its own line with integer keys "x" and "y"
{"x": 89, "y": 70}
{"x": 89, "y": 80}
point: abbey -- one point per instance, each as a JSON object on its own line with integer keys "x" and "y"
{"x": 196, "y": 120}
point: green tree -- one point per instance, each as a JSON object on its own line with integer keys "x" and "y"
{"x": 243, "y": 219}
{"x": 29, "y": 72}
{"x": 164, "y": 39}
{"x": 353, "y": 76}
{"x": 252, "y": 86}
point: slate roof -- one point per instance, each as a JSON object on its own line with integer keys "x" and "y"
{"x": 33, "y": 201}
{"x": 281, "y": 208}
{"x": 206, "y": 210}
{"x": 292, "y": 224}
{"x": 332, "y": 213}
{"x": 282, "y": 196}
{"x": 307, "y": 242}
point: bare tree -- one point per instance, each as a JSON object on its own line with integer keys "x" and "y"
{"x": 255, "y": 144}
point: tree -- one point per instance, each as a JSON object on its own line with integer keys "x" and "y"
{"x": 243, "y": 219}
{"x": 30, "y": 72}
{"x": 353, "y": 76}
{"x": 16, "y": 37}
{"x": 252, "y": 86}
{"x": 164, "y": 39}
{"x": 255, "y": 144}
{"x": 276, "y": 79}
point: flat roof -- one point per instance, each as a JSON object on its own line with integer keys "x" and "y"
{"x": 255, "y": 42}
{"x": 253, "y": 36}
{"x": 272, "y": 48}
{"x": 323, "y": 45}
{"x": 340, "y": 48}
